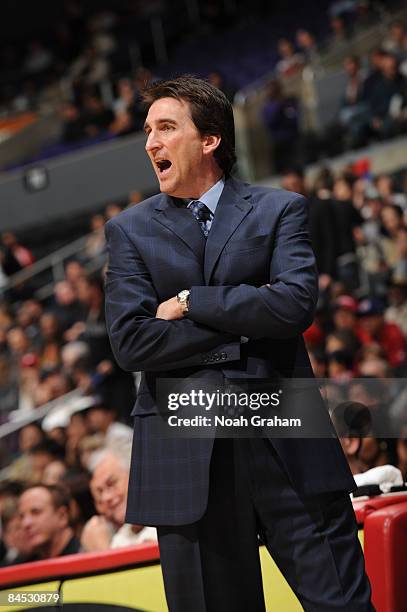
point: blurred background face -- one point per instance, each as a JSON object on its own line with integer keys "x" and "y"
{"x": 98, "y": 419}
{"x": 351, "y": 66}
{"x": 29, "y": 436}
{"x": 40, "y": 521}
{"x": 109, "y": 489}
{"x": 342, "y": 190}
{"x": 17, "y": 341}
{"x": 49, "y": 326}
{"x": 64, "y": 293}
{"x": 391, "y": 219}
{"x": 54, "y": 473}
{"x": 372, "y": 323}
{"x": 293, "y": 182}
{"x": 344, "y": 319}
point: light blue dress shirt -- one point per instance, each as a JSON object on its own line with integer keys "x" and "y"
{"x": 211, "y": 198}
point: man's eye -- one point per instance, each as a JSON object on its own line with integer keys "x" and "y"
{"x": 167, "y": 127}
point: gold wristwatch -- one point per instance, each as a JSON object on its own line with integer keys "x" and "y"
{"x": 183, "y": 299}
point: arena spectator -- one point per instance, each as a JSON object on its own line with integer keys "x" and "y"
{"x": 74, "y": 271}
{"x": 41, "y": 455}
{"x": 374, "y": 452}
{"x": 96, "y": 118}
{"x": 291, "y": 63}
{"x": 76, "y": 431}
{"x": 54, "y": 472}
{"x": 96, "y": 244}
{"x": 319, "y": 362}
{"x": 92, "y": 328}
{"x": 392, "y": 220}
{"x": 51, "y": 342}
{"x": 112, "y": 210}
{"x": 340, "y": 365}
{"x": 377, "y": 331}
{"x": 397, "y": 309}
{"x": 280, "y": 116}
{"x": 322, "y": 225}
{"x": 109, "y": 489}
{"x": 379, "y": 92}
{"x": 45, "y": 521}
{"x": 101, "y": 419}
{"x": 52, "y": 384}
{"x": 217, "y": 79}
{"x": 13, "y": 538}
{"x": 385, "y": 185}
{"x": 28, "y": 317}
{"x": 293, "y": 179}
{"x": 66, "y": 306}
{"x": 73, "y": 124}
{"x": 346, "y": 219}
{"x": 22, "y": 254}
{"x": 373, "y": 393}
{"x": 339, "y": 39}
{"x": 308, "y": 46}
{"x": 352, "y": 103}
{"x": 90, "y": 68}
{"x": 393, "y": 43}
{"x": 38, "y": 58}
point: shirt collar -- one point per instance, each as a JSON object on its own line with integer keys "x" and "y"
{"x": 211, "y": 197}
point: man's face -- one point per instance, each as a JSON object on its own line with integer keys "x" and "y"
{"x": 109, "y": 489}
{"x": 344, "y": 319}
{"x": 175, "y": 147}
{"x": 40, "y": 521}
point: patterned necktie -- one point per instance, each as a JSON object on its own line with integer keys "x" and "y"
{"x": 202, "y": 214}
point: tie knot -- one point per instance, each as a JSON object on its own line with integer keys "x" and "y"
{"x": 200, "y": 211}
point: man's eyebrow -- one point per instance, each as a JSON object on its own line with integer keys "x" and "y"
{"x": 159, "y": 121}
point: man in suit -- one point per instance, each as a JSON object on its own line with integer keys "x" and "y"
{"x": 213, "y": 280}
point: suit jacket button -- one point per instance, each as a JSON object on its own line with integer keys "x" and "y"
{"x": 223, "y": 355}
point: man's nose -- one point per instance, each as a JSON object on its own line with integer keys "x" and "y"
{"x": 152, "y": 142}
{"x": 25, "y": 521}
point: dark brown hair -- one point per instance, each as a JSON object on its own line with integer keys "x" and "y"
{"x": 60, "y": 495}
{"x": 211, "y": 112}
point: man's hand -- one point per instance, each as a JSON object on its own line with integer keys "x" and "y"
{"x": 171, "y": 310}
{"x": 97, "y": 534}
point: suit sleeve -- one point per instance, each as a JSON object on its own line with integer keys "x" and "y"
{"x": 282, "y": 310}
{"x": 139, "y": 340}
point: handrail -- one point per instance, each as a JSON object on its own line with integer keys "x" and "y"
{"x": 36, "y": 414}
{"x": 49, "y": 261}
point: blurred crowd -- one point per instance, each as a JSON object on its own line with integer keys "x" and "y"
{"x": 372, "y": 106}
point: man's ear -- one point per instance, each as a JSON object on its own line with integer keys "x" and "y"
{"x": 351, "y": 446}
{"x": 210, "y": 143}
{"x": 63, "y": 516}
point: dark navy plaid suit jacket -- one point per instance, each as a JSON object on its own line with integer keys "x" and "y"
{"x": 156, "y": 249}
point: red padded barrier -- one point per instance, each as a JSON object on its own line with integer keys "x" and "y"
{"x": 78, "y": 564}
{"x": 365, "y": 507}
{"x": 385, "y": 537}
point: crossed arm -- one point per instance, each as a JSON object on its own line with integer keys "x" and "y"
{"x": 147, "y": 335}
{"x": 141, "y": 340}
{"x": 280, "y": 309}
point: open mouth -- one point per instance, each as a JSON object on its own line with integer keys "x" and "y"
{"x": 163, "y": 165}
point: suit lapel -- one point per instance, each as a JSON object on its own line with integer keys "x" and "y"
{"x": 232, "y": 208}
{"x": 182, "y": 223}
